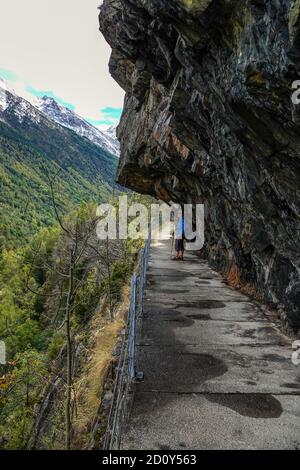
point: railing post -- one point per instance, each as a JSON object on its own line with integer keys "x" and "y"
{"x": 143, "y": 271}
{"x": 131, "y": 364}
{"x": 141, "y": 283}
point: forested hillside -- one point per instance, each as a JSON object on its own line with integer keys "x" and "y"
{"x": 60, "y": 304}
{"x": 32, "y": 153}
{"x": 59, "y": 286}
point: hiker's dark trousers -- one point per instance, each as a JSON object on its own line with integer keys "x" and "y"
{"x": 179, "y": 245}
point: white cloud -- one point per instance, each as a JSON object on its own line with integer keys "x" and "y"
{"x": 56, "y": 45}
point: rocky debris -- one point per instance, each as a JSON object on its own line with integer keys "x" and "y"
{"x": 208, "y": 118}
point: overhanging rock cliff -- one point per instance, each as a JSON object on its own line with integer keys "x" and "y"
{"x": 208, "y": 117}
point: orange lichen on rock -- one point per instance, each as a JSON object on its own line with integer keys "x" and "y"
{"x": 234, "y": 280}
{"x": 234, "y": 277}
{"x": 170, "y": 142}
{"x": 178, "y": 146}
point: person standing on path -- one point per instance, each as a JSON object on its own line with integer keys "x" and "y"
{"x": 179, "y": 239}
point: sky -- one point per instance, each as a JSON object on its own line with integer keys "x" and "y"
{"x": 54, "y": 48}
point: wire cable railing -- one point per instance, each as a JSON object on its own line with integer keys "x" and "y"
{"x": 126, "y": 371}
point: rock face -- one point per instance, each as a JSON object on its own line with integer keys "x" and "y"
{"x": 208, "y": 117}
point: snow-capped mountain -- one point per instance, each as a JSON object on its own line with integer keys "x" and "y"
{"x": 15, "y": 106}
{"x": 3, "y": 95}
{"x": 34, "y": 147}
{"x": 11, "y": 103}
{"x": 111, "y": 134}
{"x": 68, "y": 118}
{"x": 48, "y": 108}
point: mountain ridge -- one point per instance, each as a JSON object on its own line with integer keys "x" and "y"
{"x": 34, "y": 148}
{"x": 59, "y": 114}
{"x": 68, "y": 118}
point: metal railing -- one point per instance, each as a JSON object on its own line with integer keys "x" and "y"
{"x": 126, "y": 371}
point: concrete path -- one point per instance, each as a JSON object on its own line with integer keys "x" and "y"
{"x": 218, "y": 373}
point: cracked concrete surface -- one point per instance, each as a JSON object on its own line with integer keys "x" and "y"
{"x": 218, "y": 372}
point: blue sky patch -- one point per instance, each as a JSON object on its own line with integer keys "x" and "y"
{"x": 41, "y": 93}
{"x": 111, "y": 113}
{"x": 8, "y": 75}
{"x": 107, "y": 116}
{"x": 100, "y": 122}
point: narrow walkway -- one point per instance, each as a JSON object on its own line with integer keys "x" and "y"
{"x": 218, "y": 373}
